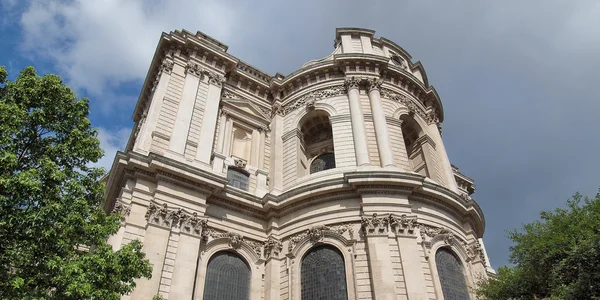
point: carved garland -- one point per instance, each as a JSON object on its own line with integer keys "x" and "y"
{"x": 317, "y": 233}
{"x": 310, "y": 97}
{"x": 430, "y": 116}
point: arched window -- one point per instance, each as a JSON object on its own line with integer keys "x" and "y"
{"x": 323, "y": 274}
{"x": 414, "y": 140}
{"x": 322, "y": 162}
{"x": 237, "y": 178}
{"x": 451, "y": 274}
{"x": 317, "y": 143}
{"x": 227, "y": 277}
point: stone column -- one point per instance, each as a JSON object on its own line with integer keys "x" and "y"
{"x": 276, "y": 169}
{"x": 219, "y": 157}
{"x": 261, "y": 150}
{"x": 380, "y": 261}
{"x": 272, "y": 268}
{"x": 405, "y": 229}
{"x": 254, "y": 151}
{"x": 358, "y": 122}
{"x": 381, "y": 130}
{"x": 209, "y": 121}
{"x": 150, "y": 117}
{"x": 227, "y": 137}
{"x": 186, "y": 108}
{"x": 444, "y": 161}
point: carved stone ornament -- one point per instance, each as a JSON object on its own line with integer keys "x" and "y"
{"x": 179, "y": 218}
{"x": 121, "y": 208}
{"x": 351, "y": 83}
{"x": 317, "y": 233}
{"x": 474, "y": 252}
{"x": 276, "y": 109}
{"x": 240, "y": 163}
{"x": 374, "y": 84}
{"x": 375, "y": 225}
{"x": 403, "y": 224}
{"x": 229, "y": 95}
{"x": 235, "y": 240}
{"x": 214, "y": 78}
{"x": 430, "y": 117}
{"x": 273, "y": 247}
{"x": 314, "y": 95}
{"x": 427, "y": 233}
{"x": 166, "y": 66}
{"x": 310, "y": 103}
{"x": 194, "y": 69}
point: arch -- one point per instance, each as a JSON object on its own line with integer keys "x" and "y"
{"x": 331, "y": 239}
{"x": 228, "y": 276}
{"x": 460, "y": 254}
{"x": 415, "y": 140}
{"x": 323, "y": 274}
{"x": 322, "y": 162}
{"x": 316, "y": 140}
{"x": 245, "y": 251}
{"x": 451, "y": 275}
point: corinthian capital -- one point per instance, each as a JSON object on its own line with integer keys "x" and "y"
{"x": 374, "y": 84}
{"x": 214, "y": 78}
{"x": 194, "y": 69}
{"x": 351, "y": 83}
{"x": 166, "y": 66}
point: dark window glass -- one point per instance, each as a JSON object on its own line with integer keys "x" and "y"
{"x": 322, "y": 162}
{"x": 452, "y": 277}
{"x": 237, "y": 178}
{"x": 323, "y": 275}
{"x": 227, "y": 277}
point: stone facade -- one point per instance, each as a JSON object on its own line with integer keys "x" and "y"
{"x": 346, "y": 152}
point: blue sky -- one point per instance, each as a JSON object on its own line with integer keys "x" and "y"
{"x": 517, "y": 78}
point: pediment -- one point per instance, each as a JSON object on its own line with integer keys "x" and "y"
{"x": 246, "y": 107}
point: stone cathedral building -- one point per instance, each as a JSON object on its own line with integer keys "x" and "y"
{"x": 331, "y": 182}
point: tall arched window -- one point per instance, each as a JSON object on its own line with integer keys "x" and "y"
{"x": 323, "y": 274}
{"x": 227, "y": 277}
{"x": 451, "y": 274}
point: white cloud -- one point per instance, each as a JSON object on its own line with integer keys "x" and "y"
{"x": 111, "y": 141}
{"x": 100, "y": 44}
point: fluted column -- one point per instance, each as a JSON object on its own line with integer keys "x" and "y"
{"x": 358, "y": 122}
{"x": 381, "y": 130}
{"x": 209, "y": 122}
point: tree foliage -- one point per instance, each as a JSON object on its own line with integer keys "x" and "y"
{"x": 53, "y": 233}
{"x": 557, "y": 257}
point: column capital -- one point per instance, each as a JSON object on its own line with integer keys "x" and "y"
{"x": 375, "y": 225}
{"x": 194, "y": 69}
{"x": 374, "y": 84}
{"x": 273, "y": 247}
{"x": 214, "y": 78}
{"x": 351, "y": 83}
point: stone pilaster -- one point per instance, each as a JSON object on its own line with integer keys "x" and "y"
{"x": 186, "y": 108}
{"x": 405, "y": 227}
{"x": 150, "y": 116}
{"x": 376, "y": 232}
{"x": 358, "y": 122}
{"x": 272, "y": 254}
{"x": 209, "y": 121}
{"x": 386, "y": 155}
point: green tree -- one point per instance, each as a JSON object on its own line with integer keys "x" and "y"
{"x": 557, "y": 257}
{"x": 53, "y": 233}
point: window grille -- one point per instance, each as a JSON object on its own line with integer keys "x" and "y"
{"x": 237, "y": 178}
{"x": 227, "y": 277}
{"x": 323, "y": 274}
{"x": 452, "y": 277}
{"x": 322, "y": 162}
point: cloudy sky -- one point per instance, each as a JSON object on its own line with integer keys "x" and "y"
{"x": 517, "y": 78}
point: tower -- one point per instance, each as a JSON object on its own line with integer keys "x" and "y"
{"x": 332, "y": 181}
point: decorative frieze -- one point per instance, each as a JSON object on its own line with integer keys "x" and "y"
{"x": 375, "y": 225}
{"x": 234, "y": 240}
{"x": 313, "y": 96}
{"x": 428, "y": 232}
